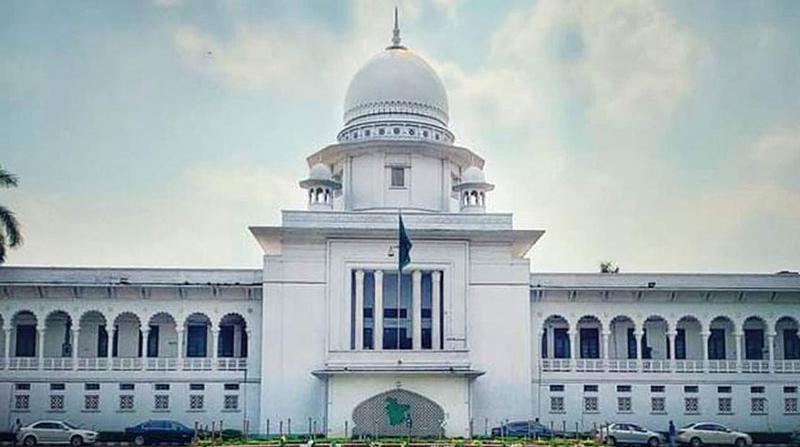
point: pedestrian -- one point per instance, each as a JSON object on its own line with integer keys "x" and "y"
{"x": 15, "y": 430}
{"x": 671, "y": 436}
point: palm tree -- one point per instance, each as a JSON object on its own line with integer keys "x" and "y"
{"x": 10, "y": 237}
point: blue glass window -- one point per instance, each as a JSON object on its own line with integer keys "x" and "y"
{"x": 196, "y": 340}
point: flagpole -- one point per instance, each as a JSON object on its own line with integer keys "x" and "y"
{"x": 399, "y": 276}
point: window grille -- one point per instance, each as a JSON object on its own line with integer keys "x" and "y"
{"x": 725, "y": 405}
{"x": 658, "y": 405}
{"x": 624, "y": 405}
{"x": 590, "y": 404}
{"x": 22, "y": 401}
{"x": 790, "y": 405}
{"x": 56, "y": 401}
{"x": 758, "y": 405}
{"x": 691, "y": 405}
{"x": 161, "y": 402}
{"x": 196, "y": 402}
{"x": 91, "y": 402}
{"x": 126, "y": 402}
{"x": 231, "y": 402}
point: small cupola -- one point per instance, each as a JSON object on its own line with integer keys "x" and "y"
{"x": 321, "y": 187}
{"x": 472, "y": 190}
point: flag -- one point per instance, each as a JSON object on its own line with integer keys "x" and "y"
{"x": 405, "y": 246}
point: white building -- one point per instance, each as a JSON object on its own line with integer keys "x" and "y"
{"x": 474, "y": 339}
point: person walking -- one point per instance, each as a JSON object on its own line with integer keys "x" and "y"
{"x": 15, "y": 430}
{"x": 671, "y": 436}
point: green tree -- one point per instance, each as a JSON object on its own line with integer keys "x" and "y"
{"x": 10, "y": 236}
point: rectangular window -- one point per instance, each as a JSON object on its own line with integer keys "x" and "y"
{"x": 716, "y": 344}
{"x": 126, "y": 387}
{"x": 791, "y": 344}
{"x": 657, "y": 388}
{"x": 152, "y": 341}
{"x": 57, "y": 387}
{"x": 754, "y": 344}
{"x": 590, "y": 343}
{"x": 22, "y": 402}
{"x": 725, "y": 405}
{"x": 126, "y": 402}
{"x": 162, "y": 387}
{"x": 556, "y": 387}
{"x": 26, "y": 341}
{"x": 691, "y": 389}
{"x": 196, "y": 340}
{"x": 590, "y": 404}
{"x": 691, "y": 405}
{"x": 196, "y": 402}
{"x": 561, "y": 343}
{"x": 56, "y": 402}
{"x": 22, "y": 386}
{"x": 590, "y": 388}
{"x": 231, "y": 386}
{"x": 724, "y": 389}
{"x": 91, "y": 386}
{"x": 556, "y": 404}
{"x": 623, "y": 388}
{"x": 161, "y": 402}
{"x": 398, "y": 177}
{"x": 658, "y": 405}
{"x": 758, "y": 405}
{"x": 790, "y": 389}
{"x": 624, "y": 405}
{"x": 790, "y": 405}
{"x": 197, "y": 386}
{"x": 757, "y": 389}
{"x": 396, "y": 316}
{"x": 231, "y": 402}
{"x": 91, "y": 402}
{"x": 680, "y": 344}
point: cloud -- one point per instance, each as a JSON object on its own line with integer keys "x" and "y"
{"x": 200, "y": 220}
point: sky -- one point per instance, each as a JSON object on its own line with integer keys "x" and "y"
{"x": 662, "y": 136}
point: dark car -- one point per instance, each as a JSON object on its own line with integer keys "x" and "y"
{"x": 155, "y": 432}
{"x": 795, "y": 438}
{"x": 522, "y": 429}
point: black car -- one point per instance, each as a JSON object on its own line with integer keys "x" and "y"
{"x": 521, "y": 429}
{"x": 155, "y": 432}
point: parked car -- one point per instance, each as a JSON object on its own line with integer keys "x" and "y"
{"x": 159, "y": 431}
{"x": 629, "y": 434}
{"x": 54, "y": 432}
{"x": 522, "y": 429}
{"x": 701, "y": 433}
{"x": 794, "y": 439}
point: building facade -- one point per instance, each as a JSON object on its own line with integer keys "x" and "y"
{"x": 328, "y": 338}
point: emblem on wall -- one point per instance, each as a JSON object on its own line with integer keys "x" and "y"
{"x": 398, "y": 412}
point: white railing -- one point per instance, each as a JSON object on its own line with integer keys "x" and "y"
{"x": 589, "y": 365}
{"x": 623, "y": 365}
{"x": 787, "y": 366}
{"x": 92, "y": 363}
{"x": 197, "y": 364}
{"x": 126, "y": 363}
{"x": 755, "y": 366}
{"x": 722, "y": 366}
{"x": 655, "y": 365}
{"x": 23, "y": 363}
{"x": 161, "y": 363}
{"x": 57, "y": 363}
{"x": 555, "y": 365}
{"x": 232, "y": 364}
{"x": 688, "y": 366}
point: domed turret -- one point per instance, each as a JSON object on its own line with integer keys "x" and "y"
{"x": 472, "y": 190}
{"x": 321, "y": 187}
{"x": 396, "y": 95}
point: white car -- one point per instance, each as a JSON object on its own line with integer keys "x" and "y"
{"x": 701, "y": 433}
{"x": 54, "y": 432}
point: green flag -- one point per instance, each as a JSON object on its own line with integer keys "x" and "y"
{"x": 405, "y": 246}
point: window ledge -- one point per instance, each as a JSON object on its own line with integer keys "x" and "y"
{"x": 726, "y": 413}
{"x": 90, "y": 411}
{"x": 558, "y": 412}
{"x": 692, "y": 412}
{"x": 625, "y": 412}
{"x": 759, "y": 414}
{"x": 591, "y": 412}
{"x": 658, "y": 412}
{"x": 196, "y": 410}
{"x": 231, "y": 411}
{"x": 56, "y": 411}
{"x": 21, "y": 410}
{"x": 160, "y": 410}
{"x": 126, "y": 411}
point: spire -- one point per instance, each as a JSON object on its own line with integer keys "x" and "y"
{"x": 396, "y": 33}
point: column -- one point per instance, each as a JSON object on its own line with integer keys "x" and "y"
{"x": 416, "y": 309}
{"x": 76, "y": 333}
{"x": 551, "y": 342}
{"x": 180, "y": 348}
{"x": 237, "y": 341}
{"x": 110, "y": 344}
{"x": 359, "y": 311}
{"x": 436, "y": 310}
{"x": 738, "y": 336}
{"x": 605, "y": 344}
{"x": 573, "y": 345}
{"x": 704, "y": 349}
{"x": 377, "y": 312}
{"x": 40, "y": 347}
{"x": 637, "y": 335}
{"x": 7, "y": 347}
{"x": 771, "y": 347}
{"x": 145, "y": 336}
{"x": 214, "y": 337}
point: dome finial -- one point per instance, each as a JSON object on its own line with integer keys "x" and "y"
{"x": 396, "y": 32}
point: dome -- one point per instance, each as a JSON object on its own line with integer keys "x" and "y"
{"x": 396, "y": 95}
{"x": 473, "y": 174}
{"x": 396, "y": 82}
{"x": 320, "y": 171}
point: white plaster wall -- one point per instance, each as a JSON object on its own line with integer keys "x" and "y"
{"x": 347, "y": 391}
